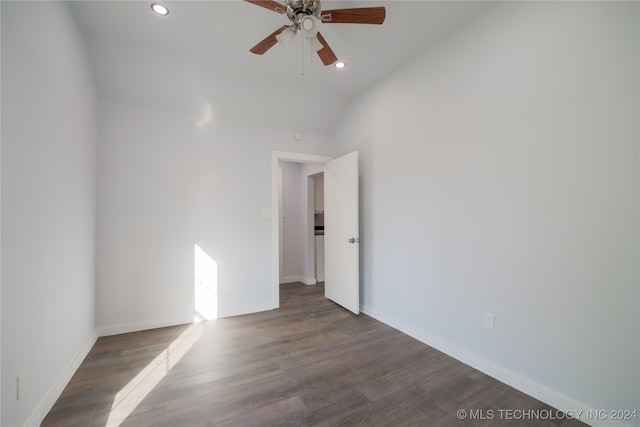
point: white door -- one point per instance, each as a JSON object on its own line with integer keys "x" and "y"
{"x": 341, "y": 263}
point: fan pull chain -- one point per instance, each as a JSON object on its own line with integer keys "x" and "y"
{"x": 302, "y": 57}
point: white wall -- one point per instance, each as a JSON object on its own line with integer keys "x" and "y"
{"x": 189, "y": 84}
{"x": 298, "y": 225}
{"x": 309, "y": 170}
{"x": 48, "y": 206}
{"x": 166, "y": 184}
{"x": 294, "y": 222}
{"x": 500, "y": 174}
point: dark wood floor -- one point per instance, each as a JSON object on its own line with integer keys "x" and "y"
{"x": 310, "y": 363}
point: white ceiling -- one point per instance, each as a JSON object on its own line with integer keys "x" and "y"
{"x": 220, "y": 34}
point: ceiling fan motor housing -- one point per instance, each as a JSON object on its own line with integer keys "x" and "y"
{"x": 298, "y": 10}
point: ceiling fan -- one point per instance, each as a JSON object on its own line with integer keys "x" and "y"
{"x": 306, "y": 16}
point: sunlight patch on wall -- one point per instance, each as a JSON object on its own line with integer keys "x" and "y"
{"x": 206, "y": 115}
{"x": 131, "y": 395}
{"x": 205, "y": 285}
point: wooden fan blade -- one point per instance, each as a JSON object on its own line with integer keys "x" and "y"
{"x": 269, "y": 4}
{"x": 362, "y": 15}
{"x": 326, "y": 54}
{"x": 268, "y": 42}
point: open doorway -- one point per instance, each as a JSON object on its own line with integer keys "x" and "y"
{"x": 293, "y": 223}
{"x": 301, "y": 203}
{"x": 341, "y": 214}
{"x": 301, "y": 220}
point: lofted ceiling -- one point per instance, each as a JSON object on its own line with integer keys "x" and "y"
{"x": 126, "y": 42}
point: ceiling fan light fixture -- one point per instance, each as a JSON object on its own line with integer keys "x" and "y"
{"x": 315, "y": 44}
{"x": 309, "y": 26}
{"x": 286, "y": 37}
{"x": 307, "y": 23}
{"x": 340, "y": 65}
{"x": 160, "y": 9}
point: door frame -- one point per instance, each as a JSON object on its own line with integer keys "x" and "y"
{"x": 276, "y": 157}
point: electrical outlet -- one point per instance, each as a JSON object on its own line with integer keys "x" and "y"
{"x": 489, "y": 321}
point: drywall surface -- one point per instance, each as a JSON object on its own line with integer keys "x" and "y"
{"x": 298, "y": 222}
{"x": 500, "y": 174}
{"x": 171, "y": 185}
{"x": 48, "y": 206}
{"x": 294, "y": 221}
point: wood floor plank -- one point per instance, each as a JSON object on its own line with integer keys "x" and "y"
{"x": 309, "y": 363}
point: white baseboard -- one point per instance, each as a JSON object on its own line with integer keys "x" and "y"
{"x": 523, "y": 384}
{"x": 538, "y": 391}
{"x": 247, "y": 309}
{"x": 125, "y": 328}
{"x": 45, "y": 405}
{"x": 302, "y": 279}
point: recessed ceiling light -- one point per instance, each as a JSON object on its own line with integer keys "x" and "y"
{"x": 160, "y": 9}
{"x": 340, "y": 64}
